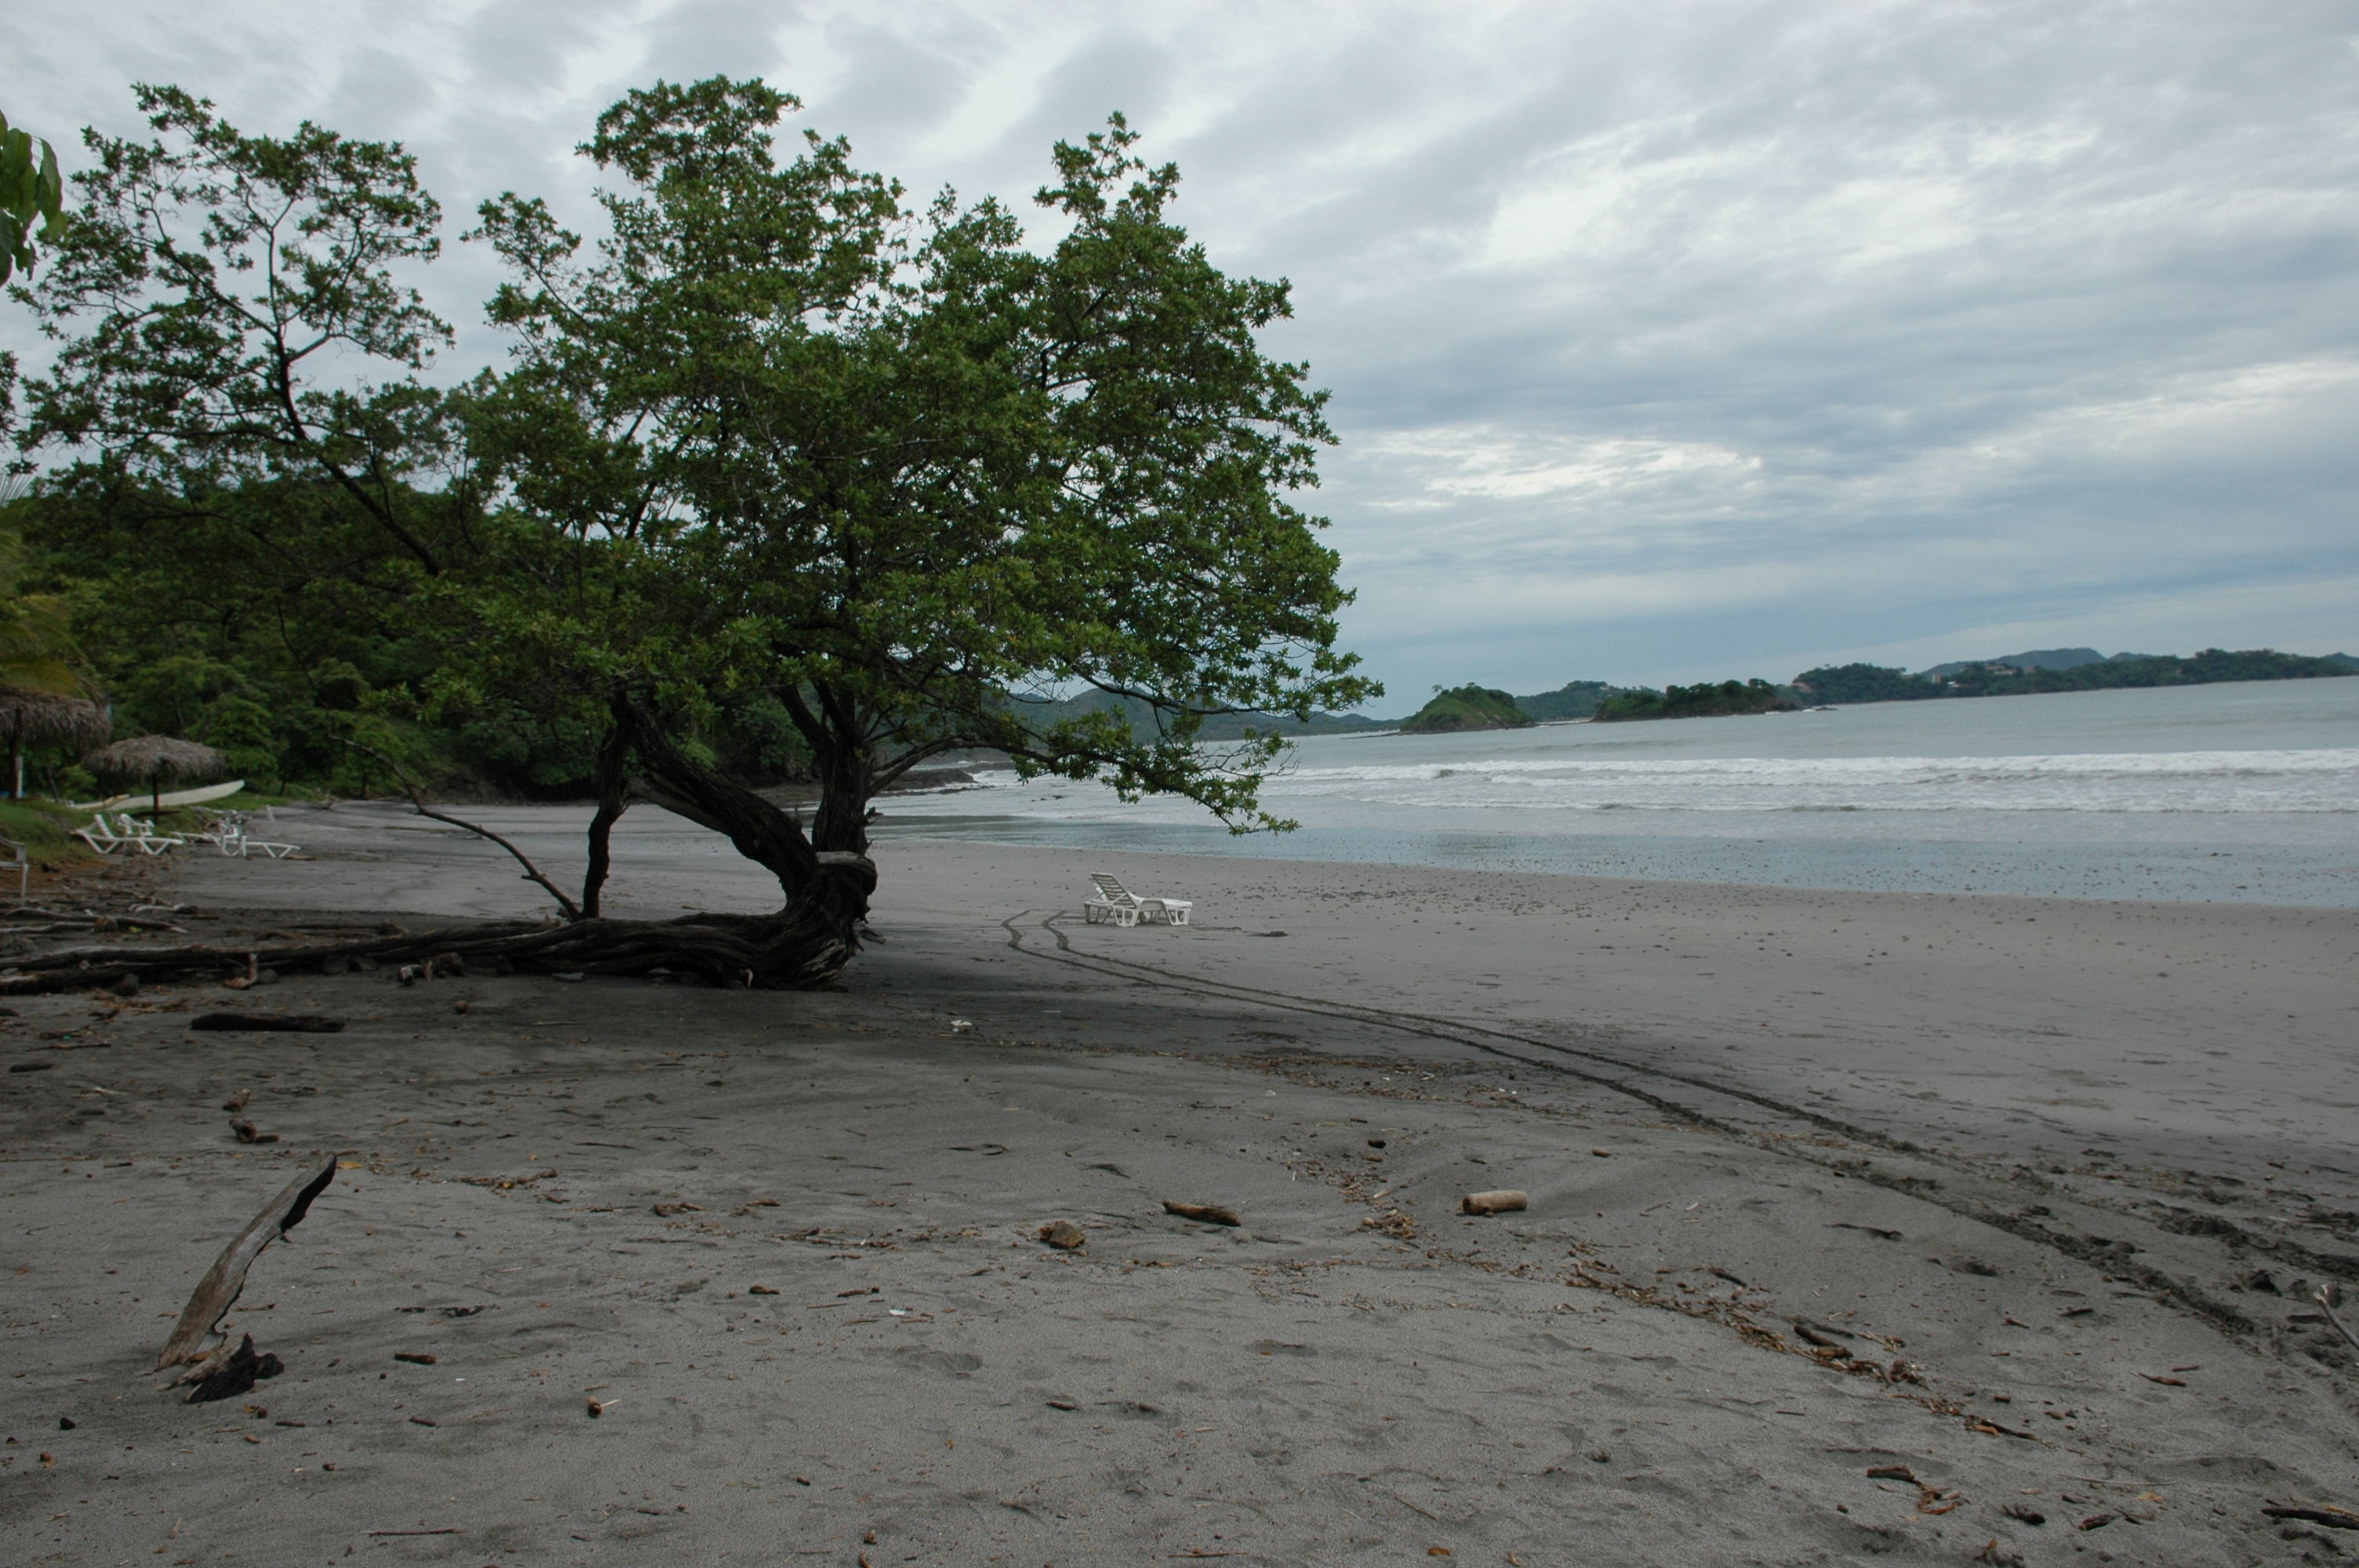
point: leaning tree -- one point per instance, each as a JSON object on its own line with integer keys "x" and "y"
{"x": 779, "y": 432}
{"x": 894, "y": 467}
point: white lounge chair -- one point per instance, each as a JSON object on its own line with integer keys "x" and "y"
{"x": 1118, "y": 904}
{"x": 228, "y": 832}
{"x": 246, "y": 844}
{"x": 99, "y": 836}
{"x": 108, "y": 837}
{"x": 146, "y": 835}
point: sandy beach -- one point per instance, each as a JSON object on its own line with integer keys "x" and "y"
{"x": 1921, "y": 1228}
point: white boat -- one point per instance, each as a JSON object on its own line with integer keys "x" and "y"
{"x": 171, "y": 797}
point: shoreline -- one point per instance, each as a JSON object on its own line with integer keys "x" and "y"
{"x": 1932, "y": 1013}
{"x": 1759, "y": 1262}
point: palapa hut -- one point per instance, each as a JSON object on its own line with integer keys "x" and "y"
{"x": 30, "y": 718}
{"x": 152, "y": 759}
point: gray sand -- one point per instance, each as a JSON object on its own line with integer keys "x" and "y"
{"x": 2033, "y": 1206}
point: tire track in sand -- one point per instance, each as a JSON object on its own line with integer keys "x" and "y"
{"x": 1674, "y": 1094}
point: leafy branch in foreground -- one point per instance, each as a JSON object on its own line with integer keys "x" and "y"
{"x": 30, "y": 188}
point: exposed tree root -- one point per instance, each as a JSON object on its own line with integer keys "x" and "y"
{"x": 794, "y": 950}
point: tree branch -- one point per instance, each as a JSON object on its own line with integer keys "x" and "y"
{"x": 532, "y": 872}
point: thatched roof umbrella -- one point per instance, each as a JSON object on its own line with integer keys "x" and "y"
{"x": 154, "y": 759}
{"x": 47, "y": 719}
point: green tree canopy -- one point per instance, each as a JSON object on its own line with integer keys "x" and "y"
{"x": 888, "y": 466}
{"x": 259, "y": 488}
{"x": 778, "y": 444}
{"x": 220, "y": 306}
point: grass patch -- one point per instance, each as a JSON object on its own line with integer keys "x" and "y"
{"x": 43, "y": 827}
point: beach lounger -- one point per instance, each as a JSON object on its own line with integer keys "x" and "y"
{"x": 108, "y": 837}
{"x": 214, "y": 827}
{"x": 143, "y": 835}
{"x": 247, "y": 844}
{"x": 99, "y": 836}
{"x": 227, "y": 831}
{"x": 1118, "y": 904}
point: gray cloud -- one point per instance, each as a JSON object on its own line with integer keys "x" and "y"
{"x": 1666, "y": 341}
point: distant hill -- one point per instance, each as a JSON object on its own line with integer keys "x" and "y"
{"x": 1467, "y": 708}
{"x": 1574, "y": 699}
{"x": 2038, "y": 659}
{"x": 2006, "y": 677}
{"x": 1706, "y": 700}
{"x": 1218, "y": 727}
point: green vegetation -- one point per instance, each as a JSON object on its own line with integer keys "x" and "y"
{"x": 1574, "y": 699}
{"x": 784, "y": 478}
{"x": 43, "y": 827}
{"x": 30, "y": 189}
{"x": 1863, "y": 683}
{"x": 1467, "y": 708}
{"x": 1704, "y": 701}
{"x": 1214, "y": 727}
{"x": 1870, "y": 683}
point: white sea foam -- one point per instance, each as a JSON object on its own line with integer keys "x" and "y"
{"x": 2307, "y": 781}
{"x": 2245, "y": 791}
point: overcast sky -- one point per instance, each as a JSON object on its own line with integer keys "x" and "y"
{"x": 1668, "y": 341}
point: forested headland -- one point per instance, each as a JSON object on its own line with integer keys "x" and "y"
{"x": 1466, "y": 707}
{"x": 1871, "y": 682}
{"x": 2047, "y": 670}
{"x": 1704, "y": 700}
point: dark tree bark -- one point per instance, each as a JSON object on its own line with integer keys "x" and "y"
{"x": 613, "y": 799}
{"x": 840, "y": 823}
{"x": 796, "y": 949}
{"x": 762, "y": 832}
{"x": 807, "y": 943}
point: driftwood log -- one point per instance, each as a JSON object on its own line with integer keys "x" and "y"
{"x": 1203, "y": 1213}
{"x": 268, "y": 1023}
{"x": 798, "y": 949}
{"x": 197, "y": 1336}
{"x": 826, "y": 883}
{"x": 227, "y": 1373}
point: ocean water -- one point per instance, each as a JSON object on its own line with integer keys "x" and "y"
{"x": 2246, "y": 792}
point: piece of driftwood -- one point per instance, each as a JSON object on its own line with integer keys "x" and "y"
{"x": 2330, "y": 1517}
{"x": 2326, "y": 1305}
{"x": 1064, "y": 1235}
{"x": 247, "y": 1132}
{"x": 1210, "y": 1213}
{"x": 225, "y": 1376}
{"x": 1505, "y": 1201}
{"x": 198, "y": 1331}
{"x": 268, "y": 1023}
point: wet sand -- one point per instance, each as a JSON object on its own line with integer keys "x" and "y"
{"x": 2028, "y": 1199}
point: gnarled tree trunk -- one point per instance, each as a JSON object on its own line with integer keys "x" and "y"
{"x": 807, "y": 943}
